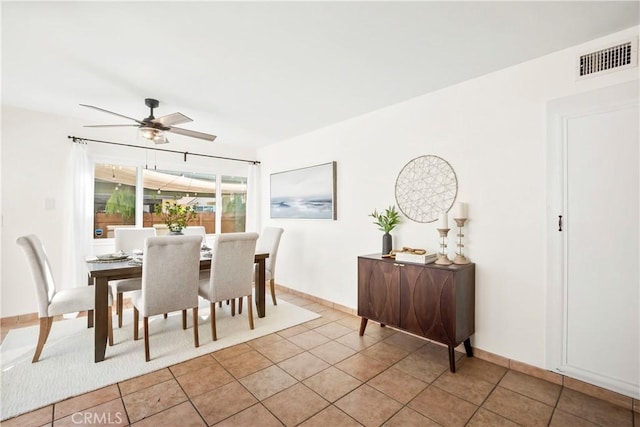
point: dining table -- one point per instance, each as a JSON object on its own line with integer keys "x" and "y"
{"x": 100, "y": 273}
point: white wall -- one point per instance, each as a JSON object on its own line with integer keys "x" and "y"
{"x": 35, "y": 167}
{"x": 492, "y": 130}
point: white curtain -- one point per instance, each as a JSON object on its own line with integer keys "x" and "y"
{"x": 82, "y": 213}
{"x": 253, "y": 198}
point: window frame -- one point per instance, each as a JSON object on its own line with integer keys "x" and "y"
{"x": 216, "y": 170}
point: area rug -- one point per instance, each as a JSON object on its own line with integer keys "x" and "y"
{"x": 66, "y": 366}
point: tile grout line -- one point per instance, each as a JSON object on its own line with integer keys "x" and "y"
{"x": 402, "y": 405}
{"x": 259, "y": 401}
{"x": 330, "y": 404}
{"x": 481, "y": 405}
{"x": 123, "y": 405}
{"x": 175, "y": 378}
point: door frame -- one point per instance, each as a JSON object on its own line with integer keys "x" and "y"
{"x": 559, "y": 112}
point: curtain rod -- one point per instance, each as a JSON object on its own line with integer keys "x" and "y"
{"x": 184, "y": 153}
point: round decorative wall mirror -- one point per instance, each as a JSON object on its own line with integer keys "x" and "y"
{"x": 426, "y": 187}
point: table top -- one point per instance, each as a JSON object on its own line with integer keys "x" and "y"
{"x": 101, "y": 269}
{"x": 378, "y": 257}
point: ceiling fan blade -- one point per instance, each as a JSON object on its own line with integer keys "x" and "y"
{"x": 172, "y": 119}
{"x": 111, "y": 112}
{"x": 192, "y": 133}
{"x": 109, "y": 126}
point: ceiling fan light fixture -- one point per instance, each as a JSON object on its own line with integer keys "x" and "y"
{"x": 150, "y": 133}
{"x": 160, "y": 138}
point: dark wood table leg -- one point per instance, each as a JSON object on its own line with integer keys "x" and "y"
{"x": 452, "y": 359}
{"x": 260, "y": 285}
{"x": 101, "y": 307}
{"x": 467, "y": 347}
{"x": 90, "y": 312}
{"x": 363, "y": 325}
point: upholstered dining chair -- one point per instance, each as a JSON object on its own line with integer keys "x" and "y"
{"x": 170, "y": 267}
{"x": 128, "y": 240}
{"x": 201, "y": 231}
{"x": 231, "y": 273}
{"x": 198, "y": 230}
{"x": 204, "y": 274}
{"x": 269, "y": 241}
{"x": 51, "y": 301}
{"x": 195, "y": 230}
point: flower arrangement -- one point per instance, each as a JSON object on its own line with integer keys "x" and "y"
{"x": 175, "y": 216}
{"x": 387, "y": 221}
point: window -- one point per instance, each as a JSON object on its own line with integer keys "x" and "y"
{"x": 234, "y": 204}
{"x": 114, "y": 198}
{"x": 119, "y": 203}
{"x": 185, "y": 188}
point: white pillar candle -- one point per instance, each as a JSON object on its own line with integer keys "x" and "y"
{"x": 444, "y": 221}
{"x": 461, "y": 210}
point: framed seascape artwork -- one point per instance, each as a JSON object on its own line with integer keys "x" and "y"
{"x": 308, "y": 193}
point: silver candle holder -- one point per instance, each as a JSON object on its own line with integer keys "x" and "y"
{"x": 443, "y": 259}
{"x": 460, "y": 258}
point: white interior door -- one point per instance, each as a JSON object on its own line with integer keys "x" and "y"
{"x": 596, "y": 267}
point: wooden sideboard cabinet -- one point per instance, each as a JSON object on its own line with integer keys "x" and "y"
{"x": 433, "y": 301}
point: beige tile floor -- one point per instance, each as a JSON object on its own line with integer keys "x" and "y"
{"x": 322, "y": 373}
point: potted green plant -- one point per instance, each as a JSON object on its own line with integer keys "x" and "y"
{"x": 175, "y": 216}
{"x": 386, "y": 222}
{"x": 122, "y": 201}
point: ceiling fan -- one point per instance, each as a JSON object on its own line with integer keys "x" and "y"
{"x": 153, "y": 128}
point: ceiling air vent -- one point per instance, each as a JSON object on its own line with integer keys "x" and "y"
{"x": 614, "y": 58}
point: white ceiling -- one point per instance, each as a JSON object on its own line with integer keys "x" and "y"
{"x": 254, "y": 73}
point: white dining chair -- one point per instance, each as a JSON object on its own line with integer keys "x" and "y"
{"x": 231, "y": 273}
{"x": 128, "y": 240}
{"x": 170, "y": 281}
{"x": 269, "y": 241}
{"x": 198, "y": 230}
{"x": 195, "y": 230}
{"x": 52, "y": 301}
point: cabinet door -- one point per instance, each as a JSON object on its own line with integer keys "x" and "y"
{"x": 428, "y": 303}
{"x": 379, "y": 291}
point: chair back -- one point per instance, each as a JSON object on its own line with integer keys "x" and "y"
{"x": 232, "y": 265}
{"x": 129, "y": 239}
{"x": 195, "y": 230}
{"x": 269, "y": 241}
{"x": 40, "y": 271}
{"x": 170, "y": 274}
